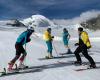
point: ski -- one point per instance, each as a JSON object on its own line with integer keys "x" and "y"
{"x": 85, "y": 68}
{"x": 30, "y": 67}
{"x": 22, "y": 71}
{"x": 65, "y": 53}
{"x": 62, "y": 62}
{"x": 4, "y": 72}
{"x": 72, "y": 63}
{"x": 82, "y": 69}
{"x": 26, "y": 67}
{"x": 58, "y": 57}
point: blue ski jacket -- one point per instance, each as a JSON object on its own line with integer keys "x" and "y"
{"x": 24, "y": 37}
{"x": 65, "y": 36}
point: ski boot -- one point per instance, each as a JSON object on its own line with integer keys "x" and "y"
{"x": 69, "y": 52}
{"x": 92, "y": 66}
{"x": 10, "y": 68}
{"x": 49, "y": 56}
{"x": 78, "y": 63}
{"x": 22, "y": 65}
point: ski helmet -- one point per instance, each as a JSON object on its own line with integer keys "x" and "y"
{"x": 65, "y": 30}
{"x": 80, "y": 29}
{"x": 48, "y": 29}
{"x": 30, "y": 29}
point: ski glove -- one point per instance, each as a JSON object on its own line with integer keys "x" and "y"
{"x": 76, "y": 44}
{"x": 28, "y": 40}
{"x": 52, "y": 36}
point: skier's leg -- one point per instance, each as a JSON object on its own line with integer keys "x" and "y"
{"x": 14, "y": 59}
{"x": 24, "y": 53}
{"x": 50, "y": 49}
{"x": 12, "y": 62}
{"x": 21, "y": 61}
{"x": 77, "y": 51}
{"x": 87, "y": 56}
{"x": 68, "y": 49}
{"x": 67, "y": 46}
{"x": 49, "y": 45}
{"x": 23, "y": 57}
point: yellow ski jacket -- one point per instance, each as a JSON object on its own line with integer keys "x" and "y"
{"x": 85, "y": 38}
{"x": 47, "y": 36}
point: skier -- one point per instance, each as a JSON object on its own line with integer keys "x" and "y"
{"x": 21, "y": 40}
{"x": 48, "y": 38}
{"x": 83, "y": 45}
{"x": 66, "y": 37}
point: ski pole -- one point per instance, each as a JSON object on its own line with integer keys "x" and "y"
{"x": 55, "y": 49}
{"x": 25, "y": 51}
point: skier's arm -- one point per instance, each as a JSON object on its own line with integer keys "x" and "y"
{"x": 76, "y": 44}
{"x": 52, "y": 37}
{"x": 69, "y": 36}
{"x": 36, "y": 35}
{"x": 27, "y": 38}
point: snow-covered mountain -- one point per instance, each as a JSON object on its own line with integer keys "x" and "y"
{"x": 10, "y": 24}
{"x": 93, "y": 24}
{"x": 43, "y": 22}
{"x": 37, "y": 20}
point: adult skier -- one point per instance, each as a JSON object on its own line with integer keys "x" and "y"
{"x": 21, "y": 40}
{"x": 83, "y": 45}
{"x": 66, "y": 37}
{"x": 48, "y": 39}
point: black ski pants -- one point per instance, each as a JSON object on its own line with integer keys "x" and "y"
{"x": 84, "y": 51}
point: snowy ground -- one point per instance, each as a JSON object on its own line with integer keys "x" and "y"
{"x": 52, "y": 70}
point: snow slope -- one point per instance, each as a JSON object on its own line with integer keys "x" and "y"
{"x": 52, "y": 70}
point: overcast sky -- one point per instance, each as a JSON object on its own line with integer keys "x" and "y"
{"x": 53, "y": 9}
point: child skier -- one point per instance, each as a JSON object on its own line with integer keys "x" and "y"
{"x": 66, "y": 37}
{"x": 21, "y": 40}
{"x": 83, "y": 45}
{"x": 48, "y": 38}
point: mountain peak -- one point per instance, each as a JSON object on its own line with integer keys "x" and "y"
{"x": 37, "y": 21}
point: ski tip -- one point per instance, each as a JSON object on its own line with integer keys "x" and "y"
{"x": 3, "y": 73}
{"x": 27, "y": 66}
